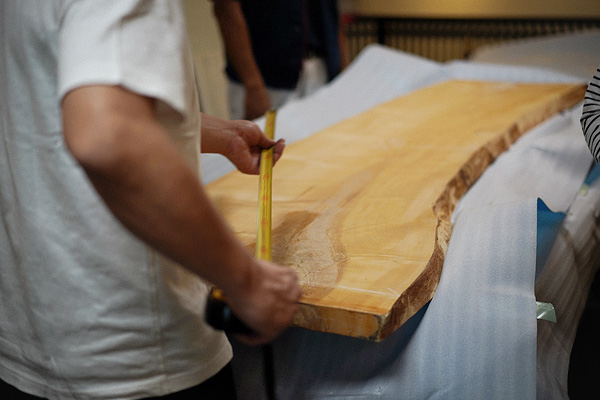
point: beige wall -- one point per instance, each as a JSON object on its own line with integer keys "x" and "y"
{"x": 208, "y": 52}
{"x": 475, "y": 8}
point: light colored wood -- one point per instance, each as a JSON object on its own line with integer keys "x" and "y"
{"x": 361, "y": 210}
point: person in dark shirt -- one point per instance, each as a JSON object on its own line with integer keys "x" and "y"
{"x": 278, "y": 51}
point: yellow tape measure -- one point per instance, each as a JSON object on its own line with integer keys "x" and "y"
{"x": 265, "y": 193}
{"x": 218, "y": 313}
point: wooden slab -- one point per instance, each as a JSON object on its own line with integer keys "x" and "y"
{"x": 361, "y": 210}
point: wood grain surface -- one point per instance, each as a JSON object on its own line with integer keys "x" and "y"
{"x": 361, "y": 210}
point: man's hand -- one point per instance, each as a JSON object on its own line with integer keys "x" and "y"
{"x": 245, "y": 147}
{"x": 240, "y": 141}
{"x": 267, "y": 302}
{"x": 256, "y": 102}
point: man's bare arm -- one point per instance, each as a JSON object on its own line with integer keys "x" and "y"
{"x": 236, "y": 38}
{"x": 149, "y": 187}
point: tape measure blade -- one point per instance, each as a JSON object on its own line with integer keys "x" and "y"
{"x": 263, "y": 237}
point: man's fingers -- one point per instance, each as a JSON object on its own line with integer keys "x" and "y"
{"x": 278, "y": 150}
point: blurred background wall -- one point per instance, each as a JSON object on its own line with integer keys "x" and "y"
{"x": 475, "y": 8}
{"x": 418, "y": 26}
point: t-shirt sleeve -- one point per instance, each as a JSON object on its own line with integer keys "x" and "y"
{"x": 140, "y": 45}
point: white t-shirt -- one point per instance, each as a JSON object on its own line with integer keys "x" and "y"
{"x": 86, "y": 309}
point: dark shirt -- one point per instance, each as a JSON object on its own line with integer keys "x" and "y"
{"x": 283, "y": 32}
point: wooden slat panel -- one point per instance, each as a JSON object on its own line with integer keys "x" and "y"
{"x": 361, "y": 210}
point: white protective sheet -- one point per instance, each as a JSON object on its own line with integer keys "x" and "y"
{"x": 455, "y": 351}
{"x": 576, "y": 54}
{"x": 477, "y": 337}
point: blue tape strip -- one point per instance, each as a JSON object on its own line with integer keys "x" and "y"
{"x": 548, "y": 226}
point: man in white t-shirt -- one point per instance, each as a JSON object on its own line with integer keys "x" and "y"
{"x": 107, "y": 239}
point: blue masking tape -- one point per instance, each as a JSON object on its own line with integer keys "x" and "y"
{"x": 548, "y": 226}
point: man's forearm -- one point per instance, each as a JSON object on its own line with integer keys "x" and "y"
{"x": 147, "y": 184}
{"x": 237, "y": 41}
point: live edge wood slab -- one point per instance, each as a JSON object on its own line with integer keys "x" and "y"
{"x": 361, "y": 210}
